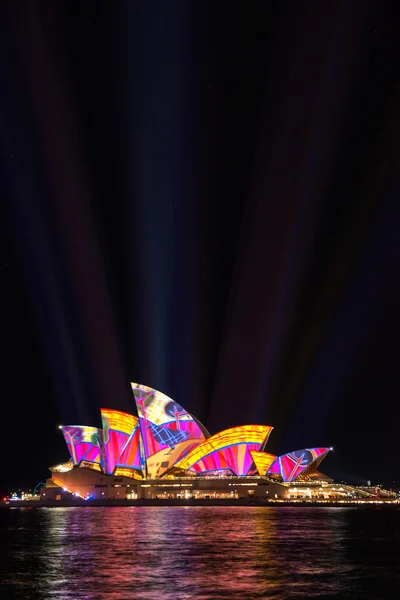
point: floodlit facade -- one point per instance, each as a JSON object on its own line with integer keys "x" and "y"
{"x": 164, "y": 448}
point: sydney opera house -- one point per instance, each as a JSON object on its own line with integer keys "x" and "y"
{"x": 165, "y": 452}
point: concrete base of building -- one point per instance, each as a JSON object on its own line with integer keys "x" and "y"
{"x": 93, "y": 485}
{"x": 82, "y": 484}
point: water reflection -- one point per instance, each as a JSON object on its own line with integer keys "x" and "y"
{"x": 190, "y": 552}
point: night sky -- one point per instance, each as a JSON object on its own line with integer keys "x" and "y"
{"x": 203, "y": 197}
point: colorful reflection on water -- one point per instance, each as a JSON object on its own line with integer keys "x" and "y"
{"x": 172, "y": 553}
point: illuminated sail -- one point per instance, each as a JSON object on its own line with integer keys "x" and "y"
{"x": 263, "y": 461}
{"x": 84, "y": 443}
{"x": 131, "y": 454}
{"x": 289, "y": 466}
{"x": 167, "y": 429}
{"x": 165, "y": 440}
{"x": 229, "y": 449}
{"x": 121, "y": 438}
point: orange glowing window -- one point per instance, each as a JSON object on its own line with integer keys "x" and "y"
{"x": 122, "y": 472}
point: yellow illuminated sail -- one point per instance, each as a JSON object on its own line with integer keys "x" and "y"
{"x": 119, "y": 421}
{"x": 245, "y": 434}
{"x": 262, "y": 460}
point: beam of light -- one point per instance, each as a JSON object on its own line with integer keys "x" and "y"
{"x": 61, "y": 255}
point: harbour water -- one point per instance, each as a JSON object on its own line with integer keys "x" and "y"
{"x": 179, "y": 553}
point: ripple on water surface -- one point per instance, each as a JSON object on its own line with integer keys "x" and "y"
{"x": 173, "y": 553}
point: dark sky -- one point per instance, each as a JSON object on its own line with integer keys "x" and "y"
{"x": 202, "y": 197}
